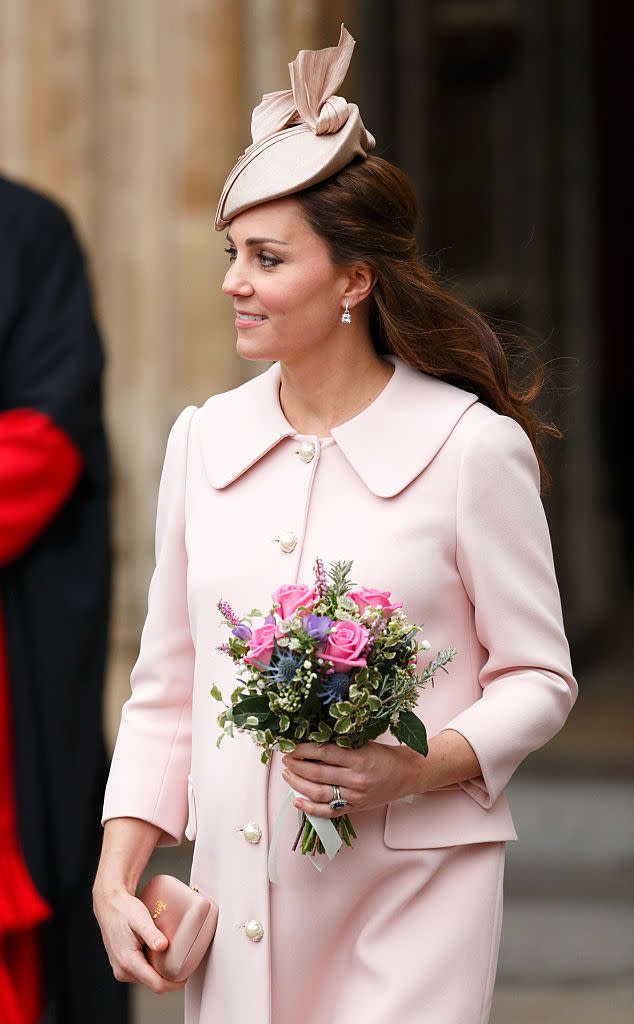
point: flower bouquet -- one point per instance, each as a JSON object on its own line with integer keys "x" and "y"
{"x": 331, "y": 663}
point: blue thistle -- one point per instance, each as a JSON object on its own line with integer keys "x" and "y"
{"x": 284, "y": 669}
{"x": 336, "y": 687}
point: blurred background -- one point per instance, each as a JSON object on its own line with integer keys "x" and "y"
{"x": 509, "y": 117}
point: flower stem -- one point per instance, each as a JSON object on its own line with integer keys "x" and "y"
{"x": 299, "y": 830}
{"x": 312, "y": 844}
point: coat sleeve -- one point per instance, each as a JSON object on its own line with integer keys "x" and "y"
{"x": 152, "y": 755}
{"x": 504, "y": 556}
{"x": 39, "y": 467}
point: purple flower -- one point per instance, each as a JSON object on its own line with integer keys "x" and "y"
{"x": 316, "y": 626}
{"x": 321, "y": 582}
{"x": 242, "y": 632}
{"x": 269, "y": 620}
{"x": 228, "y": 612}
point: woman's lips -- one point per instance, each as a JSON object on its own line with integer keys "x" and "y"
{"x": 239, "y": 322}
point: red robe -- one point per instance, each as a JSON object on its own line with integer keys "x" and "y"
{"x": 39, "y": 467}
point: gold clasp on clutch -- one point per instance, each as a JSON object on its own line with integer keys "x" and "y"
{"x": 194, "y": 888}
{"x": 158, "y": 909}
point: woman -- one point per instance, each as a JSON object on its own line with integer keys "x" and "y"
{"x": 385, "y": 432}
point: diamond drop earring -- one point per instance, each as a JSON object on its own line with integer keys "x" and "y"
{"x": 345, "y": 316}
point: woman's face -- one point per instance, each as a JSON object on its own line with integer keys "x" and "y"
{"x": 281, "y": 269}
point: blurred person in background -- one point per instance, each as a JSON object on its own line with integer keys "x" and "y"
{"x": 54, "y": 611}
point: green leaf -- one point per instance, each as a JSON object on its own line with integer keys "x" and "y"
{"x": 235, "y": 696}
{"x": 410, "y": 730}
{"x": 374, "y": 729}
{"x": 252, "y": 705}
{"x": 220, "y": 739}
{"x": 215, "y": 692}
{"x": 374, "y": 702}
{"x": 285, "y": 723}
{"x": 286, "y": 745}
{"x": 345, "y": 707}
{"x": 261, "y": 720}
{"x": 322, "y": 734}
{"x": 344, "y": 725}
{"x": 343, "y": 741}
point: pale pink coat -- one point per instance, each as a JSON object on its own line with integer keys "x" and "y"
{"x": 436, "y": 498}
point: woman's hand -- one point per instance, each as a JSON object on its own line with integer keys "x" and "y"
{"x": 126, "y": 924}
{"x": 368, "y": 777}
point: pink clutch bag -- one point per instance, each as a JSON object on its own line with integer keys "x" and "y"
{"x": 186, "y": 917}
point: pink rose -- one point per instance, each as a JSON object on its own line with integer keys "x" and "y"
{"x": 290, "y": 596}
{"x": 344, "y": 645}
{"x": 365, "y": 596}
{"x": 261, "y": 644}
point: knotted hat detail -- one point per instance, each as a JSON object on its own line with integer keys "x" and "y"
{"x": 315, "y": 77}
{"x": 301, "y": 135}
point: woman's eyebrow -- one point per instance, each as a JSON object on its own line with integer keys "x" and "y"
{"x": 258, "y": 241}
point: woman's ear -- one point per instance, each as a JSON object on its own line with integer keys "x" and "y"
{"x": 362, "y": 280}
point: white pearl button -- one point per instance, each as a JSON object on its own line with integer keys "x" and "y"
{"x": 307, "y": 451}
{"x": 288, "y": 541}
{"x": 254, "y": 930}
{"x": 252, "y": 832}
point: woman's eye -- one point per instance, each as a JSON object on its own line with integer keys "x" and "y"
{"x": 272, "y": 261}
{"x": 267, "y": 261}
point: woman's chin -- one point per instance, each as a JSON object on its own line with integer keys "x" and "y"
{"x": 251, "y": 349}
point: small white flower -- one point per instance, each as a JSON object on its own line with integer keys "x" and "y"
{"x": 425, "y": 644}
{"x": 307, "y": 664}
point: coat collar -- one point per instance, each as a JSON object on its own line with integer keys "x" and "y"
{"x": 388, "y": 444}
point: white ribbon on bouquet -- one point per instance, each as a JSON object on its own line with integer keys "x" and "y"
{"x": 330, "y": 838}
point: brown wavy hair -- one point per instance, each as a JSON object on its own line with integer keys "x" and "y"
{"x": 369, "y": 211}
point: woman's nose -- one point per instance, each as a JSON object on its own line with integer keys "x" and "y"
{"x": 235, "y": 283}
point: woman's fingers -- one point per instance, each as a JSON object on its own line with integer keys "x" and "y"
{"x": 142, "y": 924}
{"x": 126, "y": 926}
{"x": 317, "y": 793}
{"x": 136, "y": 968}
{"x": 324, "y": 774}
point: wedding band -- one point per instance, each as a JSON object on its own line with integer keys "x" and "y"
{"x": 337, "y": 799}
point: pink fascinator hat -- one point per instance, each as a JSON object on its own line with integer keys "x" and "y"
{"x": 300, "y": 135}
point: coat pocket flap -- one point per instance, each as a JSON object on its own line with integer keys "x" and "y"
{"x": 446, "y": 817}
